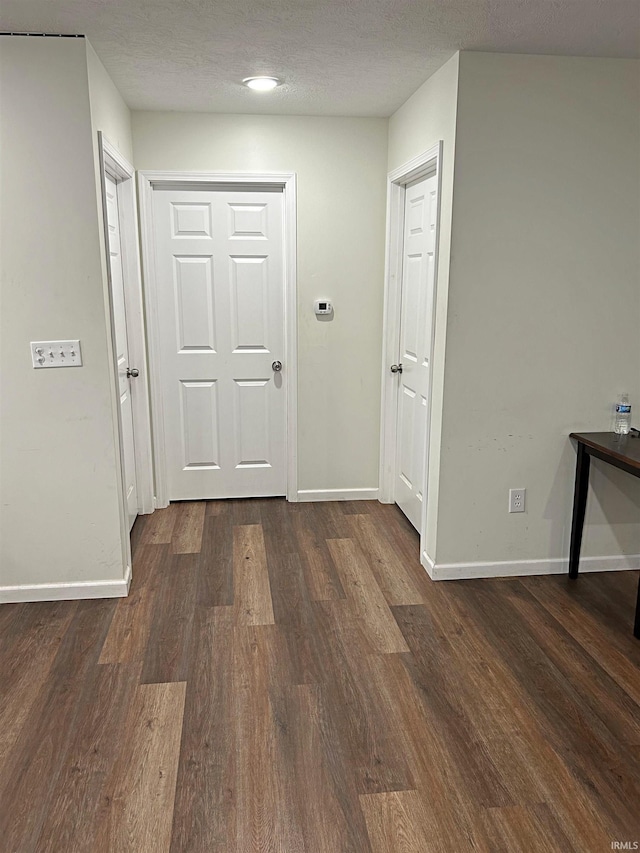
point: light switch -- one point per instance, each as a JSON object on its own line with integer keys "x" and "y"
{"x": 56, "y": 354}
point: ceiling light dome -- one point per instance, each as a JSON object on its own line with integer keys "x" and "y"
{"x": 261, "y": 84}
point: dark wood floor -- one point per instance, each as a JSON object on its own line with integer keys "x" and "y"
{"x": 285, "y": 677}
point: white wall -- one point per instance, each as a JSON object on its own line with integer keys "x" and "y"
{"x": 60, "y": 519}
{"x": 544, "y": 303}
{"x": 109, "y": 113}
{"x": 341, "y": 165}
{"x": 426, "y": 118}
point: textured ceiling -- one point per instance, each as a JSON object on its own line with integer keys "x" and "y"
{"x": 338, "y": 57}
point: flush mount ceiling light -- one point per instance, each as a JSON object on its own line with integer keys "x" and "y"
{"x": 261, "y": 84}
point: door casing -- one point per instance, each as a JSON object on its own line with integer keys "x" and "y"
{"x": 113, "y": 163}
{"x": 424, "y": 165}
{"x": 148, "y": 182}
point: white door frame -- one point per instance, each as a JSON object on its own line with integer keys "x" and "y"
{"x": 113, "y": 163}
{"x": 424, "y": 165}
{"x": 147, "y": 182}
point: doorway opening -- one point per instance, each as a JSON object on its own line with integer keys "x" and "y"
{"x": 127, "y": 336}
{"x": 413, "y": 218}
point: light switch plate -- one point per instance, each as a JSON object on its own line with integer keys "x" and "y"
{"x": 56, "y": 354}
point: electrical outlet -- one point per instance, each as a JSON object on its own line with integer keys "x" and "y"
{"x": 517, "y": 499}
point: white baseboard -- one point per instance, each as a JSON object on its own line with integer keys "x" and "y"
{"x": 522, "y": 568}
{"x": 338, "y": 494}
{"x": 428, "y": 564}
{"x": 66, "y": 591}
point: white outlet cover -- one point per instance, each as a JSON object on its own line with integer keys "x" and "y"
{"x": 517, "y": 498}
{"x": 56, "y": 354}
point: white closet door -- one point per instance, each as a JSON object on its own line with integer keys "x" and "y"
{"x": 122, "y": 349}
{"x": 415, "y": 345}
{"x": 220, "y": 286}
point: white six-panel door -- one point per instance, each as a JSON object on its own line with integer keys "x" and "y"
{"x": 418, "y": 269}
{"x": 220, "y": 289}
{"x": 122, "y": 348}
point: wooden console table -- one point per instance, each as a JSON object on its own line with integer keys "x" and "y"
{"x": 622, "y": 451}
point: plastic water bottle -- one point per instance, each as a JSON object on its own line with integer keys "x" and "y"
{"x": 623, "y": 415}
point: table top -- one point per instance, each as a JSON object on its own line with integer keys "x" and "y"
{"x": 624, "y": 448}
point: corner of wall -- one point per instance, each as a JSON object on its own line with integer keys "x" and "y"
{"x": 428, "y": 116}
{"x": 111, "y": 117}
{"x": 109, "y": 111}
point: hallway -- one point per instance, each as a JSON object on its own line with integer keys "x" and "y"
{"x": 285, "y": 677}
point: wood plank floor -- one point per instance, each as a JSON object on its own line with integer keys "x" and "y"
{"x": 286, "y": 678}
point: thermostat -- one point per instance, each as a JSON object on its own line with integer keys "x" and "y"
{"x": 323, "y": 306}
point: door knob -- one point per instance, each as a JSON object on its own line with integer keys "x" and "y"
{"x": 277, "y": 366}
{"x": 396, "y": 368}
{"x": 132, "y": 372}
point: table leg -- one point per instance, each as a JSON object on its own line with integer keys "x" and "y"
{"x": 583, "y": 463}
{"x": 636, "y": 627}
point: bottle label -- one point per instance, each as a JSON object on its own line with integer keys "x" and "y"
{"x": 623, "y": 409}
